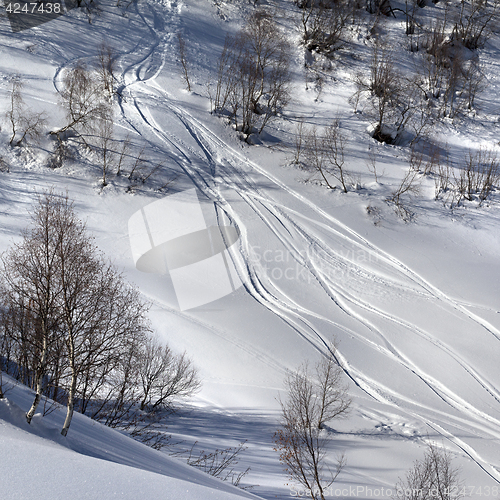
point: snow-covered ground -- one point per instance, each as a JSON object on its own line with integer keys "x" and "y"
{"x": 94, "y": 462}
{"x": 415, "y": 307}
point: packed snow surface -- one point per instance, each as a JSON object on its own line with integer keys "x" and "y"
{"x": 415, "y": 307}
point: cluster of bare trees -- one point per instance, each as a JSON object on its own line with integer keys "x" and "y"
{"x": 395, "y": 102}
{"x": 446, "y": 77}
{"x": 87, "y": 97}
{"x": 434, "y": 476}
{"x": 474, "y": 22}
{"x": 74, "y": 330}
{"x": 405, "y": 107}
{"x": 253, "y": 75}
{"x": 314, "y": 399}
{"x": 468, "y": 22}
{"x": 447, "y": 71}
{"x": 475, "y": 178}
{"x": 323, "y": 23}
{"x": 323, "y": 154}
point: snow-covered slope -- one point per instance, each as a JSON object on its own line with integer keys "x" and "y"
{"x": 415, "y": 307}
{"x": 93, "y": 462}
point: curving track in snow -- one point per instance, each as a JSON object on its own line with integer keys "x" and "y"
{"x": 323, "y": 246}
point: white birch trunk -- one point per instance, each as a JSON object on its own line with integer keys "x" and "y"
{"x": 39, "y": 382}
{"x": 71, "y": 404}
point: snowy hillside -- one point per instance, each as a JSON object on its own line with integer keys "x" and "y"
{"x": 414, "y": 306}
{"x": 95, "y": 462}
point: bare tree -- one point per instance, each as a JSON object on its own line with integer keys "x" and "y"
{"x": 97, "y": 311}
{"x": 411, "y": 22}
{"x": 104, "y": 142}
{"x": 299, "y": 141}
{"x": 302, "y": 441}
{"x": 325, "y": 154}
{"x": 1, "y": 386}
{"x": 84, "y": 100}
{"x": 334, "y": 145}
{"x": 106, "y": 68}
{"x": 124, "y": 151}
{"x": 102, "y": 316}
{"x": 164, "y": 375}
{"x": 20, "y": 346}
{"x": 401, "y": 196}
{"x": 114, "y": 402}
{"x": 372, "y": 163}
{"x": 226, "y": 78}
{"x": 443, "y": 179}
{"x": 432, "y": 477}
{"x": 182, "y": 56}
{"x": 474, "y": 81}
{"x": 384, "y": 86}
{"x": 24, "y": 123}
{"x": 315, "y": 157}
{"x": 138, "y": 162}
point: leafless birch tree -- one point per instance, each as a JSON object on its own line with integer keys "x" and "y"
{"x": 183, "y": 60}
{"x": 324, "y": 154}
{"x": 104, "y": 142}
{"x": 84, "y": 100}
{"x": 302, "y": 441}
{"x": 106, "y": 68}
{"x": 164, "y": 375}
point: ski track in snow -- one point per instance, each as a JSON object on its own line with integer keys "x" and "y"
{"x": 228, "y": 167}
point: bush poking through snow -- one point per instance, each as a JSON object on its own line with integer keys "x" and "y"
{"x": 401, "y": 196}
{"x": 474, "y": 179}
{"x": 220, "y": 463}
